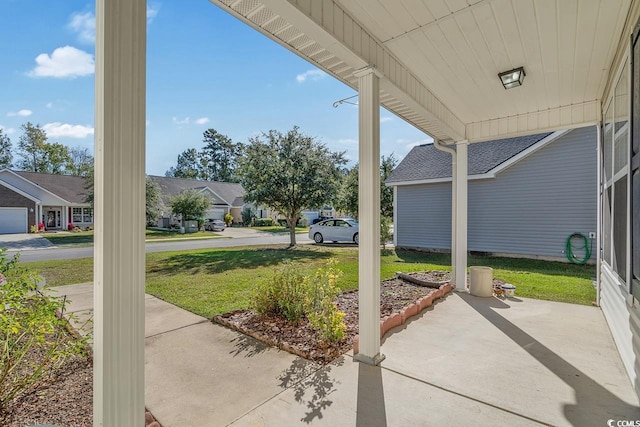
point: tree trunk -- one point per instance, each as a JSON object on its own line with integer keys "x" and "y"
{"x": 292, "y": 230}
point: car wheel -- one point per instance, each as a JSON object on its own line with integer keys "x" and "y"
{"x": 318, "y": 238}
{"x": 356, "y": 239}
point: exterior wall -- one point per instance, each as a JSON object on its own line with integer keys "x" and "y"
{"x": 33, "y": 190}
{"x": 529, "y": 209}
{"x": 11, "y": 199}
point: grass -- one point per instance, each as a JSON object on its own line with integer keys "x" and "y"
{"x": 280, "y": 229}
{"x": 214, "y": 281}
{"x": 86, "y": 237}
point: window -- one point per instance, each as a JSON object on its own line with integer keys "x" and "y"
{"x": 82, "y": 215}
{"x": 615, "y": 158}
{"x": 76, "y": 215}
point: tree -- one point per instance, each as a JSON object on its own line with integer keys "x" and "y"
{"x": 190, "y": 204}
{"x": 80, "y": 162}
{"x": 289, "y": 172}
{"x": 387, "y": 165}
{"x": 153, "y": 200}
{"x": 218, "y": 158}
{"x": 188, "y": 165}
{"x": 56, "y": 157}
{"x": 347, "y": 200}
{"x": 31, "y": 146}
{"x": 6, "y": 157}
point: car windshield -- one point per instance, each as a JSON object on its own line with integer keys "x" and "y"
{"x": 353, "y": 222}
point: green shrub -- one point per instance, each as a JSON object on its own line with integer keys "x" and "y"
{"x": 228, "y": 219}
{"x": 292, "y": 294}
{"x": 33, "y": 229}
{"x": 282, "y": 294}
{"x": 322, "y": 312}
{"x": 29, "y": 326}
{"x": 200, "y": 223}
{"x": 247, "y": 216}
{"x": 262, "y": 222}
{"x": 385, "y": 230}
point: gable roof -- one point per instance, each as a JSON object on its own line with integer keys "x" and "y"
{"x": 67, "y": 187}
{"x": 230, "y": 193}
{"x": 426, "y": 162}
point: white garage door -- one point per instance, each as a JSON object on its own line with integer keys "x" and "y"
{"x": 13, "y": 220}
{"x": 216, "y": 213}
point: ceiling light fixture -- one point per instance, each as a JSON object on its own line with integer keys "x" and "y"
{"x": 512, "y": 78}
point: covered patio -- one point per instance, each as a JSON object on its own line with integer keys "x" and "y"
{"x": 435, "y": 64}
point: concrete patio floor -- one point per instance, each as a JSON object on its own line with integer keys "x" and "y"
{"x": 465, "y": 361}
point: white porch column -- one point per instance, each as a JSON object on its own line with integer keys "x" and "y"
{"x": 395, "y": 215}
{"x": 369, "y": 216}
{"x": 460, "y": 181}
{"x": 119, "y": 188}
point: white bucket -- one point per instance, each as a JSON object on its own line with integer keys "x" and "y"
{"x": 481, "y": 281}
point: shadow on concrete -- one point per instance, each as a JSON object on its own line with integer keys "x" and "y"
{"x": 247, "y": 346}
{"x": 370, "y": 410}
{"x": 305, "y": 378}
{"x": 595, "y": 405}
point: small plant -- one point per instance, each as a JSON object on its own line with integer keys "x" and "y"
{"x": 200, "y": 223}
{"x": 70, "y": 226}
{"x": 33, "y": 229}
{"x": 29, "y": 327}
{"x": 228, "y": 219}
{"x": 322, "y": 311}
{"x": 385, "y": 231}
{"x": 263, "y": 222}
{"x": 247, "y": 216}
{"x": 41, "y": 226}
{"x": 283, "y": 293}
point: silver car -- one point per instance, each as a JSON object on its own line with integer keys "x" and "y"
{"x": 335, "y": 230}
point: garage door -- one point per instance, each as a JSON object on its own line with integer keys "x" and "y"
{"x": 216, "y": 213}
{"x": 13, "y": 220}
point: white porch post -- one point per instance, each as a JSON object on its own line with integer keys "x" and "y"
{"x": 461, "y": 216}
{"x": 395, "y": 215}
{"x": 119, "y": 188}
{"x": 369, "y": 216}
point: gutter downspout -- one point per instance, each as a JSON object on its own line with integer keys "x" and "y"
{"x": 599, "y": 194}
{"x": 454, "y": 155}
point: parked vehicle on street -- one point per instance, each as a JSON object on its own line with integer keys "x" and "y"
{"x": 335, "y": 230}
{"x": 214, "y": 225}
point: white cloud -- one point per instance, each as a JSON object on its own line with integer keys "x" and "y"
{"x": 407, "y": 145}
{"x": 8, "y": 131}
{"x": 57, "y": 130}
{"x": 202, "y": 120}
{"x": 148, "y": 122}
{"x": 64, "y": 62}
{"x": 311, "y": 75}
{"x": 347, "y": 141}
{"x": 21, "y": 113}
{"x": 49, "y": 105}
{"x": 385, "y": 119}
{"x": 85, "y": 25}
{"x": 184, "y": 121}
{"x": 152, "y": 12}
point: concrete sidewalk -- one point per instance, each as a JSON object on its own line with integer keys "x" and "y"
{"x": 465, "y": 361}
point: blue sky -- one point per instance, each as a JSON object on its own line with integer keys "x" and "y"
{"x": 205, "y": 70}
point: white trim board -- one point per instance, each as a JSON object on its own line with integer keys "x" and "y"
{"x": 22, "y": 193}
{"x": 35, "y": 185}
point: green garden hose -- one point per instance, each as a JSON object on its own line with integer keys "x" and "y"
{"x": 569, "y": 249}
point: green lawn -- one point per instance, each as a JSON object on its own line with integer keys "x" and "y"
{"x": 280, "y": 229}
{"x": 214, "y": 281}
{"x": 85, "y": 238}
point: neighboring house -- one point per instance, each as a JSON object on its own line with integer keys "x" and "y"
{"x": 225, "y": 197}
{"x": 27, "y": 198}
{"x": 526, "y": 195}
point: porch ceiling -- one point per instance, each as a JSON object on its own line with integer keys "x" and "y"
{"x": 441, "y": 58}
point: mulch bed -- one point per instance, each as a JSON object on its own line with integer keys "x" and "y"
{"x": 301, "y": 339}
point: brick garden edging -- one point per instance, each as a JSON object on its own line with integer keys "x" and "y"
{"x": 149, "y": 420}
{"x": 398, "y": 319}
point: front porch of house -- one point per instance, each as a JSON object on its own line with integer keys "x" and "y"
{"x": 516, "y": 362}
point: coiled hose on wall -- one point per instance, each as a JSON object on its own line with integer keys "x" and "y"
{"x": 569, "y": 249}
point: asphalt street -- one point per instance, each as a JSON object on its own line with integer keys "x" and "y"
{"x": 58, "y": 253}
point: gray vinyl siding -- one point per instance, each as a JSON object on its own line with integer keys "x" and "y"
{"x": 424, "y": 216}
{"x": 529, "y": 208}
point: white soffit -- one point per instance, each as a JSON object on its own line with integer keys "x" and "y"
{"x": 441, "y": 58}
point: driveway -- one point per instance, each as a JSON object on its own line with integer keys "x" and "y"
{"x": 23, "y": 242}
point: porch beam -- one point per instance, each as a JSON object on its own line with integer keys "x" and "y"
{"x": 460, "y": 183}
{"x": 119, "y": 194}
{"x": 369, "y": 216}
